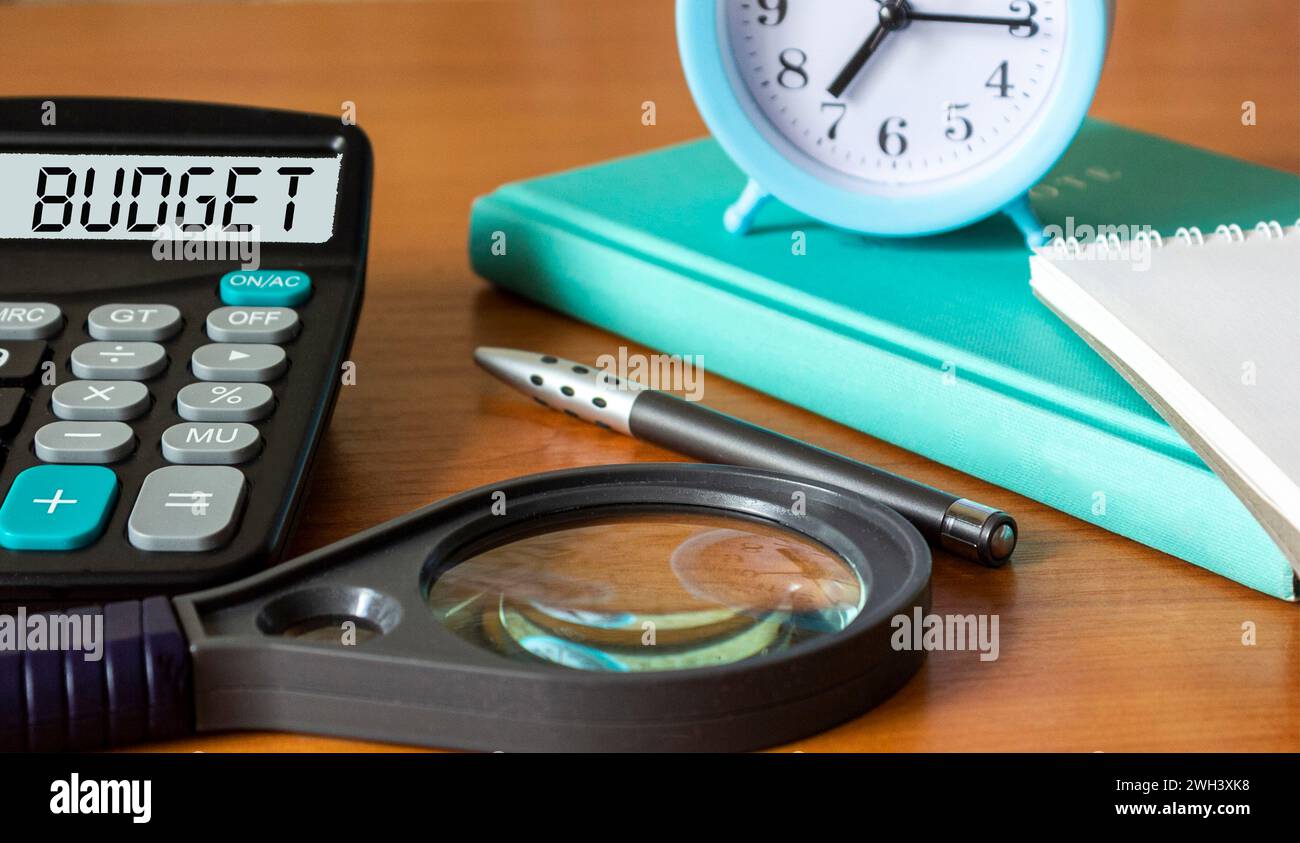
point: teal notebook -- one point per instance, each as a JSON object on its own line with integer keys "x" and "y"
{"x": 937, "y": 345}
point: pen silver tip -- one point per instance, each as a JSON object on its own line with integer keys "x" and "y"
{"x": 582, "y": 391}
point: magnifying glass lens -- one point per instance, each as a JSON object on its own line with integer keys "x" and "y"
{"x": 649, "y": 591}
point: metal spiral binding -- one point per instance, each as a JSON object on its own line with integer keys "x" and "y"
{"x": 1187, "y": 235}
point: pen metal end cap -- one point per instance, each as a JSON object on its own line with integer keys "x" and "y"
{"x": 587, "y": 393}
{"x": 1002, "y": 541}
{"x": 979, "y": 532}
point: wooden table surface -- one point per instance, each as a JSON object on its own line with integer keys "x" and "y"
{"x": 1105, "y": 644}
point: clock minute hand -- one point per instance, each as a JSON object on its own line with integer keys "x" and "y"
{"x": 942, "y": 18}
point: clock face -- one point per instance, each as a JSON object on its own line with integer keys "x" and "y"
{"x": 888, "y": 93}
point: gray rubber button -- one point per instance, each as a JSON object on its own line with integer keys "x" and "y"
{"x": 187, "y": 508}
{"x": 29, "y": 320}
{"x": 227, "y": 443}
{"x": 228, "y": 402}
{"x": 242, "y": 362}
{"x": 100, "y": 400}
{"x": 84, "y": 442}
{"x": 134, "y": 322}
{"x": 253, "y": 324}
{"x": 127, "y": 361}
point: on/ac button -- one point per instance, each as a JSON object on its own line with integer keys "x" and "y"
{"x": 265, "y": 287}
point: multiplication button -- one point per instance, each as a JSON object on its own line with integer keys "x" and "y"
{"x": 127, "y": 361}
{"x": 225, "y": 402}
{"x": 242, "y": 362}
{"x": 252, "y": 324}
{"x": 183, "y": 508}
{"x": 100, "y": 400}
{"x": 151, "y": 322}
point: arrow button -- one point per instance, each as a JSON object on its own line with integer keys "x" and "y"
{"x": 238, "y": 362}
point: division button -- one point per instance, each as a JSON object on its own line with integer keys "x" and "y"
{"x": 228, "y": 443}
{"x": 20, "y": 362}
{"x": 100, "y": 400}
{"x": 152, "y": 322}
{"x": 29, "y": 320}
{"x": 252, "y": 324}
{"x": 241, "y": 362}
{"x": 84, "y": 442}
{"x": 128, "y": 361}
{"x": 228, "y": 402}
{"x": 187, "y": 508}
{"x": 57, "y": 507}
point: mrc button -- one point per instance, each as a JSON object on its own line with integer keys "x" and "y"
{"x": 265, "y": 288}
{"x": 29, "y": 320}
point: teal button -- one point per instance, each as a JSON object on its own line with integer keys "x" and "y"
{"x": 57, "y": 507}
{"x": 265, "y": 287}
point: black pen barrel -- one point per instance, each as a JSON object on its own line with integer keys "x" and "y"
{"x": 946, "y": 521}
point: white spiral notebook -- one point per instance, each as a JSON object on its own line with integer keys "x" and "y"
{"x": 1207, "y": 328}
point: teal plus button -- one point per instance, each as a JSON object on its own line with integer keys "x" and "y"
{"x": 265, "y": 287}
{"x": 57, "y": 507}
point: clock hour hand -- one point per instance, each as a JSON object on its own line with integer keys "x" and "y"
{"x": 893, "y": 15}
{"x": 851, "y": 70}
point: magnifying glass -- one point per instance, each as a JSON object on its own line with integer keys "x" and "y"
{"x": 663, "y": 607}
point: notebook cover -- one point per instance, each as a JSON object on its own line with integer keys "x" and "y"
{"x": 936, "y": 344}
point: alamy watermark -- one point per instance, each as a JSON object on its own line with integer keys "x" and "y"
{"x": 75, "y": 795}
{"x": 1130, "y": 244}
{"x": 919, "y": 631}
{"x": 23, "y": 632}
{"x": 195, "y": 243}
{"x": 666, "y": 372}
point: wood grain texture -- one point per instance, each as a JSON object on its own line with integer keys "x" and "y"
{"x": 1105, "y": 644}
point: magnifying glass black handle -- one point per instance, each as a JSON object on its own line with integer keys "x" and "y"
{"x": 137, "y": 687}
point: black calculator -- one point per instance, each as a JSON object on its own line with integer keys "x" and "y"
{"x": 179, "y": 287}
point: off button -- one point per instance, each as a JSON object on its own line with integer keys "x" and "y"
{"x": 265, "y": 288}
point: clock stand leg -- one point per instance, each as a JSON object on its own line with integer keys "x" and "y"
{"x": 1022, "y": 214}
{"x": 740, "y": 216}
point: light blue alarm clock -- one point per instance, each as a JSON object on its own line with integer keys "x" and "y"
{"x": 893, "y": 117}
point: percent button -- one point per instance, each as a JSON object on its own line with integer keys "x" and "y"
{"x": 216, "y": 402}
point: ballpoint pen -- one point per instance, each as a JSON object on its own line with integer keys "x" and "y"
{"x": 963, "y": 527}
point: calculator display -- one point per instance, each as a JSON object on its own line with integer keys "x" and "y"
{"x": 148, "y": 197}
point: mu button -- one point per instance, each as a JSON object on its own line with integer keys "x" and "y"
{"x": 57, "y": 507}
